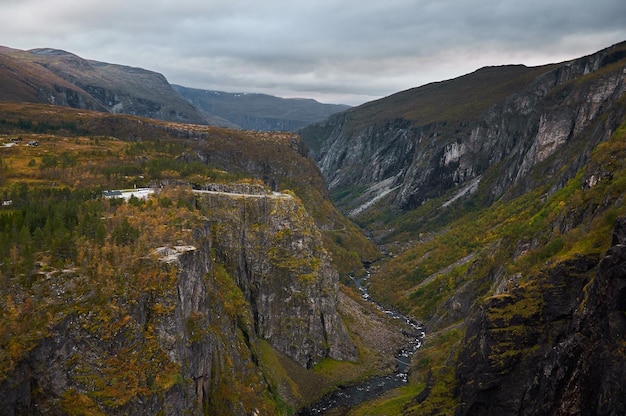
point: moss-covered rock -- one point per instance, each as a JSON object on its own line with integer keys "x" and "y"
{"x": 272, "y": 248}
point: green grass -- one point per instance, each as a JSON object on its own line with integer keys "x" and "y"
{"x": 391, "y": 403}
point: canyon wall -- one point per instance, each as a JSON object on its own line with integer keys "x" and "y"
{"x": 416, "y": 158}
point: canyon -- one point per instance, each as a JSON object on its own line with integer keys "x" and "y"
{"x": 487, "y": 208}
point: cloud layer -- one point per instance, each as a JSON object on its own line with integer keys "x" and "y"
{"x": 333, "y": 50}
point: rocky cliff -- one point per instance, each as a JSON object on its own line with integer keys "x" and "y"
{"x": 162, "y": 334}
{"x": 552, "y": 347}
{"x": 274, "y": 251}
{"x": 442, "y": 138}
{"x": 495, "y": 195}
{"x": 177, "y": 330}
{"x": 523, "y": 299}
{"x": 209, "y": 301}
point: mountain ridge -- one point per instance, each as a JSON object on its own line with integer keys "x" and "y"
{"x": 63, "y": 78}
{"x": 254, "y": 111}
{"x": 353, "y": 152}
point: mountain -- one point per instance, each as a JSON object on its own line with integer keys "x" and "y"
{"x": 53, "y": 76}
{"x": 443, "y": 138}
{"x": 26, "y": 81}
{"x": 498, "y": 199}
{"x": 258, "y": 111}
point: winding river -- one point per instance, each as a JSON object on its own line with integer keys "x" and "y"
{"x": 353, "y": 395}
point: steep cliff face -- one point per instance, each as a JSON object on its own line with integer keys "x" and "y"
{"x": 416, "y": 156}
{"x": 273, "y": 250}
{"x": 524, "y": 298}
{"x": 280, "y": 160}
{"x": 208, "y": 301}
{"x": 503, "y": 214}
{"x": 180, "y": 345}
{"x": 553, "y": 347}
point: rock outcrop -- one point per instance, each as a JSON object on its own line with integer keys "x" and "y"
{"x": 553, "y": 347}
{"x": 182, "y": 347}
{"x": 179, "y": 331}
{"x": 273, "y": 250}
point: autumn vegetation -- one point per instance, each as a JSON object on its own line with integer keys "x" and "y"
{"x": 67, "y": 253}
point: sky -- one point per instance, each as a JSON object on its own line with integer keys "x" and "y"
{"x": 335, "y": 51}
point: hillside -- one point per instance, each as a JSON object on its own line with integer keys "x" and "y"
{"x": 498, "y": 199}
{"x": 26, "y": 81}
{"x": 218, "y": 293}
{"x": 258, "y": 111}
{"x": 52, "y": 76}
{"x": 443, "y": 138}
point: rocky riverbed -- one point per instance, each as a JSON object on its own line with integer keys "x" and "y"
{"x": 412, "y": 335}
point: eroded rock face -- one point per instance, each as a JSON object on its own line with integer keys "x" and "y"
{"x": 551, "y": 347}
{"x": 179, "y": 348}
{"x": 272, "y": 249}
{"x": 420, "y": 161}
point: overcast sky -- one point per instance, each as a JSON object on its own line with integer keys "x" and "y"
{"x": 336, "y": 51}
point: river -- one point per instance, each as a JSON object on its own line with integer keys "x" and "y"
{"x": 350, "y": 396}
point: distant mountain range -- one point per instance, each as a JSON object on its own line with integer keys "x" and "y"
{"x": 258, "y": 111}
{"x": 53, "y": 76}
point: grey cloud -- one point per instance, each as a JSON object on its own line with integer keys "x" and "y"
{"x": 352, "y": 50}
